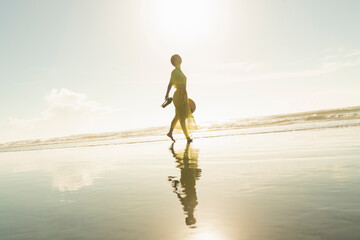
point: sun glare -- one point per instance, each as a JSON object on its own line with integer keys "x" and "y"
{"x": 207, "y": 236}
{"x": 185, "y": 18}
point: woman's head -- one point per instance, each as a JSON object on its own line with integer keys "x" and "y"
{"x": 191, "y": 220}
{"x": 175, "y": 60}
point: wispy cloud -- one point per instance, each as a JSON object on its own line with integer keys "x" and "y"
{"x": 337, "y": 60}
{"x": 355, "y": 53}
{"x": 241, "y": 66}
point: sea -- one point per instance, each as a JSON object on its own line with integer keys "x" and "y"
{"x": 302, "y": 121}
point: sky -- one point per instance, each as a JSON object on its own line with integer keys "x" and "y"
{"x": 72, "y": 67}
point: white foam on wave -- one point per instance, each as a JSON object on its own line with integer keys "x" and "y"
{"x": 329, "y": 118}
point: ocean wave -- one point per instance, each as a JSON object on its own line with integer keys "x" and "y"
{"x": 351, "y": 113}
{"x": 329, "y": 118}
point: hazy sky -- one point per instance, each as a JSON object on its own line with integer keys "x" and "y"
{"x": 72, "y": 66}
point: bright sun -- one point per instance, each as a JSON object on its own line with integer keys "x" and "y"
{"x": 184, "y": 18}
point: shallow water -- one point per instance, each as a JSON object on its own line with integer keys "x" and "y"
{"x": 289, "y": 185}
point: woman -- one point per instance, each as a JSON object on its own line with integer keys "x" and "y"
{"x": 180, "y": 99}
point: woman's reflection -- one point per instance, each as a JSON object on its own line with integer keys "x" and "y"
{"x": 189, "y": 173}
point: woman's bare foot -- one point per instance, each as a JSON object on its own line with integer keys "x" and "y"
{"x": 189, "y": 140}
{"x": 171, "y": 136}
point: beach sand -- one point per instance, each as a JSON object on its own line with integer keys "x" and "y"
{"x": 287, "y": 185}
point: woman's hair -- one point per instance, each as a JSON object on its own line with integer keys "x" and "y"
{"x": 175, "y": 59}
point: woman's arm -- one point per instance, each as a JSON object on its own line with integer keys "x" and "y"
{"x": 168, "y": 90}
{"x": 170, "y": 85}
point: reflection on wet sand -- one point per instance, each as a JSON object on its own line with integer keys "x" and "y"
{"x": 66, "y": 173}
{"x": 184, "y": 188}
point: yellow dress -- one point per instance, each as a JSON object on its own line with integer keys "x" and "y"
{"x": 181, "y": 102}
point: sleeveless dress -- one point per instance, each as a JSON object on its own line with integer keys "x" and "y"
{"x": 181, "y": 101}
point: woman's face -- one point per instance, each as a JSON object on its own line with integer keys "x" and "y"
{"x": 179, "y": 60}
{"x": 176, "y": 60}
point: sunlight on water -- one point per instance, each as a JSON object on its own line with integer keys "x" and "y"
{"x": 290, "y": 185}
{"x": 208, "y": 236}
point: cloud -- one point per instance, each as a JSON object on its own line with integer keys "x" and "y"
{"x": 325, "y": 68}
{"x": 355, "y": 53}
{"x": 328, "y": 57}
{"x": 241, "y": 66}
{"x": 338, "y": 60}
{"x": 67, "y": 113}
{"x": 70, "y": 104}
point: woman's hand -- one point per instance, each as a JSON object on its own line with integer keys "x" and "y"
{"x": 166, "y": 97}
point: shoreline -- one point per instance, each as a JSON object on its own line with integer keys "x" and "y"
{"x": 141, "y": 140}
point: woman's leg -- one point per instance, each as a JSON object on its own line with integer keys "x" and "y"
{"x": 172, "y": 126}
{"x": 183, "y": 126}
{"x": 173, "y": 123}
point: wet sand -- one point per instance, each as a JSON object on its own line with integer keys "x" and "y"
{"x": 290, "y": 185}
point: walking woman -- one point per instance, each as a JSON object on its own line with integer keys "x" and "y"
{"x": 181, "y": 102}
